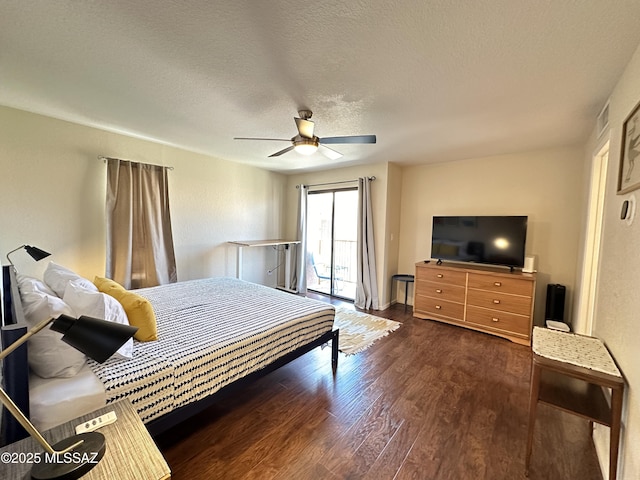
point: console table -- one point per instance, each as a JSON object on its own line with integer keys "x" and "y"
{"x": 569, "y": 372}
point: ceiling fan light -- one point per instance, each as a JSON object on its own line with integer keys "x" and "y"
{"x": 306, "y": 148}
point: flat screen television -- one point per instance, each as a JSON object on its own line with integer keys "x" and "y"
{"x": 494, "y": 240}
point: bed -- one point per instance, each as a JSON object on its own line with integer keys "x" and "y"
{"x": 215, "y": 336}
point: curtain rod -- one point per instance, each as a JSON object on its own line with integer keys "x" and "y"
{"x": 104, "y": 159}
{"x": 371, "y": 179}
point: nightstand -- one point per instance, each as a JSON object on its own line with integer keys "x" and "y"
{"x": 130, "y": 454}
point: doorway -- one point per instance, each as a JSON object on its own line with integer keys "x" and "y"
{"x": 591, "y": 259}
{"x": 332, "y": 236}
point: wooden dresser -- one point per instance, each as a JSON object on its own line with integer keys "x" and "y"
{"x": 487, "y": 299}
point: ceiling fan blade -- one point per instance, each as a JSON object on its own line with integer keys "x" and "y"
{"x": 330, "y": 153}
{"x": 271, "y": 139}
{"x": 277, "y": 154}
{"x": 305, "y": 127}
{"x": 349, "y": 139}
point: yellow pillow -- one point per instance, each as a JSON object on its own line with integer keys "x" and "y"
{"x": 138, "y": 309}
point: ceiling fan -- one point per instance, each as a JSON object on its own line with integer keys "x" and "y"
{"x": 306, "y": 143}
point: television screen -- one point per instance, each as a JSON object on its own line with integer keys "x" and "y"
{"x": 496, "y": 240}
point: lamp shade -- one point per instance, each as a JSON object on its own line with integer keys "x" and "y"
{"x": 306, "y": 146}
{"x": 36, "y": 253}
{"x": 98, "y": 339}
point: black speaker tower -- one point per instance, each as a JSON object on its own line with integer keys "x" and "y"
{"x": 555, "y": 302}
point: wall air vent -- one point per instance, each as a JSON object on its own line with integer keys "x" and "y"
{"x": 603, "y": 120}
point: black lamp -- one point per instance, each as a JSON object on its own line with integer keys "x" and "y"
{"x": 35, "y": 253}
{"x": 74, "y": 456}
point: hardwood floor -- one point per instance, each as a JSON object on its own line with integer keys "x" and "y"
{"x": 430, "y": 401}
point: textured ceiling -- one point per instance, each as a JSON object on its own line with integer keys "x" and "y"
{"x": 434, "y": 80}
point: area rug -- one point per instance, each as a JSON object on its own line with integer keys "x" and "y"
{"x": 358, "y": 331}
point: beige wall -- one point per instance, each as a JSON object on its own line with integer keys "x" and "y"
{"x": 617, "y": 316}
{"x": 53, "y": 196}
{"x": 545, "y": 185}
{"x": 392, "y": 233}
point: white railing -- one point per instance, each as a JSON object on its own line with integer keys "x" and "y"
{"x": 345, "y": 265}
{"x": 344, "y": 259}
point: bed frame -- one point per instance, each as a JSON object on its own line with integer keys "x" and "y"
{"x": 15, "y": 369}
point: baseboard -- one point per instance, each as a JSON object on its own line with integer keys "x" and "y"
{"x": 394, "y": 302}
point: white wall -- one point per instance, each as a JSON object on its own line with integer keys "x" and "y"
{"x": 545, "y": 185}
{"x": 53, "y": 196}
{"x": 617, "y": 316}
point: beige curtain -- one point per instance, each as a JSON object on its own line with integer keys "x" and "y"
{"x": 139, "y": 239}
{"x": 367, "y": 284}
{"x": 299, "y": 273}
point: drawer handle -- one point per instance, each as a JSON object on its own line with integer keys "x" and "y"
{"x": 496, "y": 302}
{"x": 438, "y": 307}
{"x": 438, "y": 291}
{"x": 497, "y": 284}
{"x": 494, "y": 319}
{"x": 439, "y": 275}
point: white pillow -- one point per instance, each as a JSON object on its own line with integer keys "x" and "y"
{"x": 56, "y": 277}
{"x": 28, "y": 284}
{"x": 48, "y": 355}
{"x": 98, "y": 305}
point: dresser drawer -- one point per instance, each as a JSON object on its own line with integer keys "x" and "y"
{"x": 499, "y": 301}
{"x": 440, "y": 275}
{"x": 443, "y": 291}
{"x": 515, "y": 286}
{"x": 508, "y": 322}
{"x": 438, "y": 307}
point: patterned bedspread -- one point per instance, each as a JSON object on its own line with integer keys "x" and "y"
{"x": 211, "y": 332}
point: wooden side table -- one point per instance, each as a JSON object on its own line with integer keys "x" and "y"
{"x": 569, "y": 372}
{"x": 131, "y": 453}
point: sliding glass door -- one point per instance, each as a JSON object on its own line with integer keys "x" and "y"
{"x": 331, "y": 242}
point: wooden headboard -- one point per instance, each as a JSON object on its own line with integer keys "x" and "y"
{"x": 15, "y": 368}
